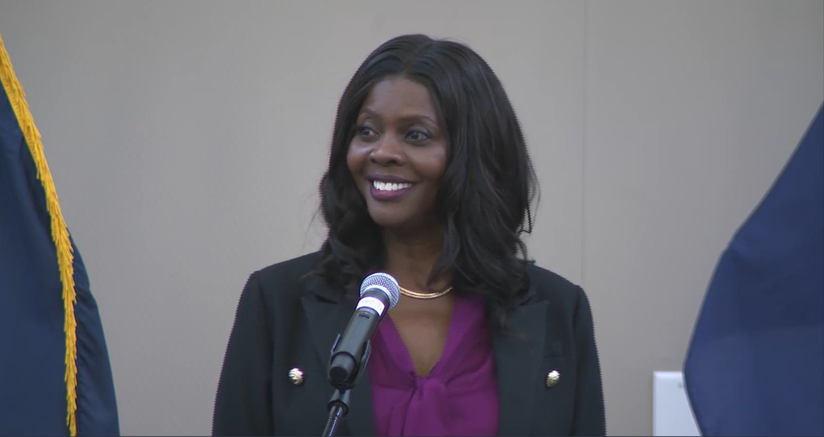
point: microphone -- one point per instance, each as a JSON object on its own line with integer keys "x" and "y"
{"x": 379, "y": 293}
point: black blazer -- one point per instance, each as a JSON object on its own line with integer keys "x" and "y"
{"x": 285, "y": 320}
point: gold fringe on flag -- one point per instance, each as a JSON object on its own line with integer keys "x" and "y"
{"x": 59, "y": 231}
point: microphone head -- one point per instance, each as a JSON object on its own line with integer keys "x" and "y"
{"x": 385, "y": 283}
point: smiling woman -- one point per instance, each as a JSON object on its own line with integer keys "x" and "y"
{"x": 430, "y": 181}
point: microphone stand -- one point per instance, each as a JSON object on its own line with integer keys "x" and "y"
{"x": 338, "y": 404}
{"x": 338, "y": 409}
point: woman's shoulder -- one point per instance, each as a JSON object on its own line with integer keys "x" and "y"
{"x": 552, "y": 287}
{"x": 290, "y": 269}
{"x": 284, "y": 279}
{"x": 568, "y": 304}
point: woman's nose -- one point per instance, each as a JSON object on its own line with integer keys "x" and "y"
{"x": 387, "y": 150}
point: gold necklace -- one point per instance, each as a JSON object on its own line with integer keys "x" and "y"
{"x": 419, "y": 295}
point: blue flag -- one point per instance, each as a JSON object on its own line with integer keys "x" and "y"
{"x": 755, "y": 364}
{"x": 55, "y": 376}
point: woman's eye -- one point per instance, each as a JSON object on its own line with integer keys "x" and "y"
{"x": 366, "y": 132}
{"x": 417, "y": 135}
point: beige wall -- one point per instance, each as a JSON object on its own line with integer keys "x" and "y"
{"x": 187, "y": 138}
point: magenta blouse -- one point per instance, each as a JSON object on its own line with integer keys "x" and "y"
{"x": 460, "y": 395}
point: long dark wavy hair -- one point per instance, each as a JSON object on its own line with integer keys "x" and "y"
{"x": 485, "y": 193}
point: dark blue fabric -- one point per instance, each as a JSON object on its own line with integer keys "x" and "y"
{"x": 32, "y": 339}
{"x": 755, "y": 364}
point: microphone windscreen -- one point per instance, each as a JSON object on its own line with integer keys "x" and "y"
{"x": 385, "y": 283}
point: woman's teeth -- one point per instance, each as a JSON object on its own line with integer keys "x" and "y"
{"x": 390, "y": 186}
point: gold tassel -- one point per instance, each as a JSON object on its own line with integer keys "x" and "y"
{"x": 59, "y": 231}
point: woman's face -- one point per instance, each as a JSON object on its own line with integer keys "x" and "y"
{"x": 398, "y": 155}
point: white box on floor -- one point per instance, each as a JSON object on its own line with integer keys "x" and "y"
{"x": 671, "y": 411}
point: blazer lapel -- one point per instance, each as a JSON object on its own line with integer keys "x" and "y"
{"x": 517, "y": 362}
{"x": 328, "y": 313}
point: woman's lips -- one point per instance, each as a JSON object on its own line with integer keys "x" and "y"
{"x": 385, "y": 191}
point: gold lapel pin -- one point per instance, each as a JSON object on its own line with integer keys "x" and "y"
{"x": 552, "y": 378}
{"x": 296, "y": 376}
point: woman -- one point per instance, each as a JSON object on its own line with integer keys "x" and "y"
{"x": 429, "y": 180}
